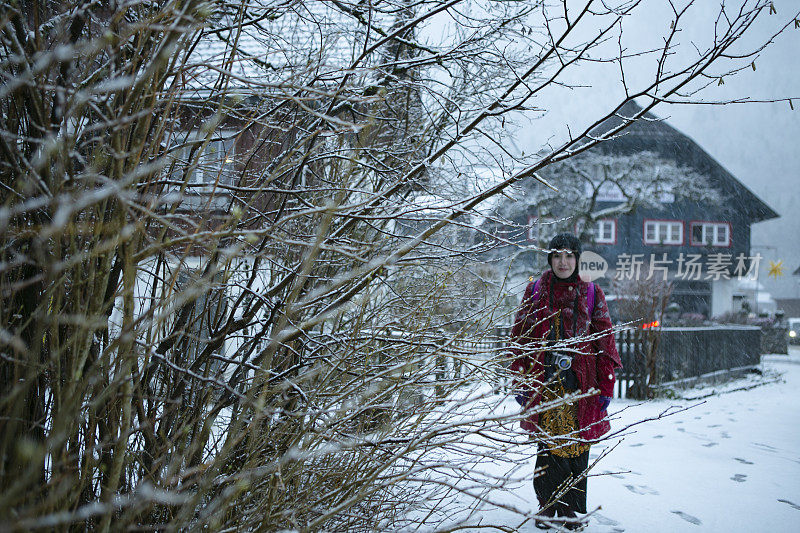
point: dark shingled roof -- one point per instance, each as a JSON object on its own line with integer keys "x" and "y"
{"x": 655, "y": 135}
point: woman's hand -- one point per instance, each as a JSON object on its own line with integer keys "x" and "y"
{"x": 604, "y": 402}
{"x": 523, "y": 397}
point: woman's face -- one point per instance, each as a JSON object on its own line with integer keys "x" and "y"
{"x": 563, "y": 264}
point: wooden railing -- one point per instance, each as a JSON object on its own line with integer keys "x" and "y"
{"x": 680, "y": 353}
{"x": 683, "y": 353}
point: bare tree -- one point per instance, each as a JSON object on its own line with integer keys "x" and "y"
{"x": 205, "y": 315}
{"x": 582, "y": 191}
{"x": 641, "y": 303}
{"x": 594, "y": 186}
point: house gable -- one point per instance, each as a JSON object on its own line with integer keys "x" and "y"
{"x": 655, "y": 135}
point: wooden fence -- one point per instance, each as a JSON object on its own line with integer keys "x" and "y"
{"x": 679, "y": 354}
{"x": 682, "y": 353}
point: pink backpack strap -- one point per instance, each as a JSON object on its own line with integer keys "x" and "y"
{"x": 536, "y": 287}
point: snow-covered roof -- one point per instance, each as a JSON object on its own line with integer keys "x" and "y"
{"x": 296, "y": 44}
{"x": 654, "y": 134}
{"x": 747, "y": 284}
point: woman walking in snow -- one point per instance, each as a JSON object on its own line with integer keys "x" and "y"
{"x": 552, "y": 360}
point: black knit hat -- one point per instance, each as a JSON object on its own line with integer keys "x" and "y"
{"x": 564, "y": 241}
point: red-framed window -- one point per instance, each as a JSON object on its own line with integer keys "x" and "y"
{"x": 663, "y": 232}
{"x": 707, "y": 233}
{"x": 604, "y": 231}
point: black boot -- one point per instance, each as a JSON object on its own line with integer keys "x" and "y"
{"x": 547, "y": 512}
{"x": 564, "y": 511}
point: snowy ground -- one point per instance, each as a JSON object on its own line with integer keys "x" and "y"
{"x": 729, "y": 463}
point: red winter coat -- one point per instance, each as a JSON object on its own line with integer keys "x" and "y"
{"x": 594, "y": 362}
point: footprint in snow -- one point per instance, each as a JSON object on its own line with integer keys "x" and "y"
{"x": 743, "y": 461}
{"x": 637, "y": 445}
{"x": 641, "y": 489}
{"x": 658, "y": 436}
{"x": 689, "y": 518}
{"x": 790, "y": 503}
{"x": 766, "y": 447}
{"x": 740, "y": 478}
{"x": 605, "y": 521}
{"x": 682, "y": 430}
{"x": 715, "y": 425}
{"x": 725, "y": 435}
{"x": 710, "y": 444}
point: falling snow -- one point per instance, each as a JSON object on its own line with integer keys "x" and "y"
{"x": 726, "y": 460}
